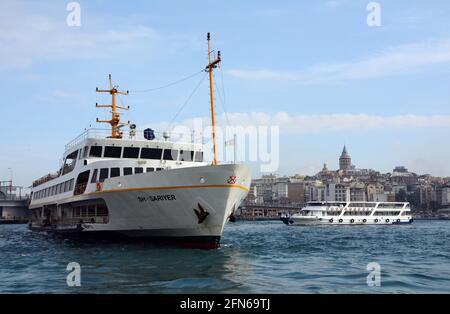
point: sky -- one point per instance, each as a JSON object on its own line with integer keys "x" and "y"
{"x": 315, "y": 69}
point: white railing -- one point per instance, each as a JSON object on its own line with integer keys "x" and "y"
{"x": 361, "y": 205}
{"x": 137, "y": 135}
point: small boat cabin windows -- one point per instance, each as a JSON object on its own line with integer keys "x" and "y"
{"x": 82, "y": 180}
{"x": 54, "y": 190}
{"x": 151, "y": 153}
{"x": 150, "y": 169}
{"x": 131, "y": 152}
{"x": 69, "y": 163}
{"x": 84, "y": 152}
{"x": 112, "y": 152}
{"x": 94, "y": 176}
{"x": 96, "y": 151}
{"x": 127, "y": 171}
{"x": 198, "y": 156}
{"x": 115, "y": 172}
{"x": 104, "y": 174}
{"x": 138, "y": 170}
{"x": 170, "y": 154}
{"x": 186, "y": 155}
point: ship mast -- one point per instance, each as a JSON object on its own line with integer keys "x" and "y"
{"x": 115, "y": 116}
{"x": 209, "y": 68}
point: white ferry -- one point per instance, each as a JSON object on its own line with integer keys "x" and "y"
{"x": 351, "y": 213}
{"x": 139, "y": 184}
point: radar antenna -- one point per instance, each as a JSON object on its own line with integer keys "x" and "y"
{"x": 115, "y": 122}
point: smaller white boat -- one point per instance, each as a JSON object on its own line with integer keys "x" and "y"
{"x": 351, "y": 213}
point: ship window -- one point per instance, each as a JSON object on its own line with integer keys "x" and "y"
{"x": 149, "y": 169}
{"x": 85, "y": 151}
{"x": 186, "y": 155}
{"x": 94, "y": 176}
{"x": 71, "y": 184}
{"x": 138, "y": 170}
{"x": 151, "y": 153}
{"x": 115, "y": 172}
{"x": 81, "y": 183}
{"x": 66, "y": 186}
{"x": 198, "y": 156}
{"x": 127, "y": 171}
{"x": 131, "y": 152}
{"x": 112, "y": 151}
{"x": 69, "y": 163}
{"x": 91, "y": 210}
{"x": 170, "y": 154}
{"x": 102, "y": 210}
{"x": 159, "y": 169}
{"x": 96, "y": 151}
{"x": 60, "y": 186}
{"x": 104, "y": 172}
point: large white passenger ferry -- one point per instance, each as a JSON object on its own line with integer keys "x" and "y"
{"x": 351, "y": 213}
{"x": 139, "y": 184}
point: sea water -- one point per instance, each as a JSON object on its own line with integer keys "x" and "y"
{"x": 255, "y": 257}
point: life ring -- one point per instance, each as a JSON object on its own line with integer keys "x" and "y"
{"x": 352, "y": 220}
{"x": 364, "y": 221}
{"x": 331, "y": 220}
{"x": 99, "y": 186}
{"x": 376, "y": 220}
{"x": 387, "y": 220}
{"x": 340, "y": 220}
{"x": 398, "y": 220}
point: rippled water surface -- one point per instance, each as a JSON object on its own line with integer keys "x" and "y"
{"x": 255, "y": 257}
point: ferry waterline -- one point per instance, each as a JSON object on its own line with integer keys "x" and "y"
{"x": 139, "y": 184}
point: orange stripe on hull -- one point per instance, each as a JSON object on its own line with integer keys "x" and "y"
{"x": 176, "y": 187}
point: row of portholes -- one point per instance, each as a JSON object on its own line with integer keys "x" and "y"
{"x": 364, "y": 220}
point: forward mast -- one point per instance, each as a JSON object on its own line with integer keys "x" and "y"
{"x": 214, "y": 61}
{"x": 115, "y": 122}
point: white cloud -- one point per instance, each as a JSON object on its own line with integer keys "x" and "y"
{"x": 393, "y": 61}
{"x": 301, "y": 124}
{"x": 29, "y": 35}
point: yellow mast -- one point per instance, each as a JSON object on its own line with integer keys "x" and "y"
{"x": 209, "y": 68}
{"x": 115, "y": 116}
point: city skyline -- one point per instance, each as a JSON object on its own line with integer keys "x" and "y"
{"x": 315, "y": 69}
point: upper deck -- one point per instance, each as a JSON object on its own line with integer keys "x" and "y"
{"x": 135, "y": 135}
{"x": 358, "y": 205}
{"x": 171, "y": 149}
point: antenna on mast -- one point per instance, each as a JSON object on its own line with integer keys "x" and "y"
{"x": 115, "y": 122}
{"x": 213, "y": 62}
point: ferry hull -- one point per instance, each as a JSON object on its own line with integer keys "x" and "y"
{"x": 185, "y": 205}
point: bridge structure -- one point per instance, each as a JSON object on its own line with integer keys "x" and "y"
{"x": 267, "y": 211}
{"x": 13, "y": 204}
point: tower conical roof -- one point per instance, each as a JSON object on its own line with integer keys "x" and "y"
{"x": 344, "y": 152}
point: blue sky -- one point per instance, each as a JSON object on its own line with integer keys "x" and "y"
{"x": 313, "y": 67}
